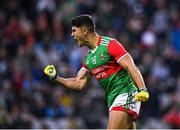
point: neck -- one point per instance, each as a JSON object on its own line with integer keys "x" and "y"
{"x": 92, "y": 41}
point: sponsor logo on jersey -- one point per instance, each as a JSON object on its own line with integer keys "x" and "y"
{"x": 99, "y": 69}
{"x": 106, "y": 70}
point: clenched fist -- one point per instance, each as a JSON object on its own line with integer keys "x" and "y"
{"x": 142, "y": 96}
{"x": 50, "y": 71}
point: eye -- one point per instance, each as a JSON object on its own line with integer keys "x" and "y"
{"x": 73, "y": 30}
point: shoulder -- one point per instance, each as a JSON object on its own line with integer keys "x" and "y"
{"x": 116, "y": 49}
{"x": 105, "y": 40}
{"x": 115, "y": 44}
{"x": 109, "y": 40}
{"x": 111, "y": 43}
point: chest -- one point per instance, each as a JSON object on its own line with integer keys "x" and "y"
{"x": 97, "y": 58}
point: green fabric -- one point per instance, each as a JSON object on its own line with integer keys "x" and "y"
{"x": 100, "y": 56}
{"x": 115, "y": 84}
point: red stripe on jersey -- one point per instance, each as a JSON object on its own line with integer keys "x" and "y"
{"x": 106, "y": 70}
{"x": 116, "y": 49}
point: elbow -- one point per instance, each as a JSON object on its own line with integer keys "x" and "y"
{"x": 78, "y": 88}
{"x": 79, "y": 85}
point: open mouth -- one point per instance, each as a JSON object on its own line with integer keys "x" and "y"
{"x": 74, "y": 38}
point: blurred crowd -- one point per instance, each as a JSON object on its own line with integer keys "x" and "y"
{"x": 34, "y": 33}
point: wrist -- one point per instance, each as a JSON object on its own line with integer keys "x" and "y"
{"x": 53, "y": 78}
{"x": 142, "y": 89}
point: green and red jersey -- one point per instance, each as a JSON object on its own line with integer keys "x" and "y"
{"x": 102, "y": 62}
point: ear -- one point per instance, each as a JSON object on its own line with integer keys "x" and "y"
{"x": 85, "y": 30}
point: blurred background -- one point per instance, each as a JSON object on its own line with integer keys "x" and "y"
{"x": 34, "y": 33}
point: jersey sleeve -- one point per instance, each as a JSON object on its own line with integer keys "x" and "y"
{"x": 116, "y": 50}
{"x": 84, "y": 66}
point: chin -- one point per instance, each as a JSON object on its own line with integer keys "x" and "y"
{"x": 80, "y": 45}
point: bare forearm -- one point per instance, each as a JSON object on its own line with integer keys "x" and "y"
{"x": 136, "y": 76}
{"x": 70, "y": 83}
{"x": 127, "y": 63}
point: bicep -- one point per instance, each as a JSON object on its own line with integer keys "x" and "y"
{"x": 126, "y": 61}
{"x": 119, "y": 53}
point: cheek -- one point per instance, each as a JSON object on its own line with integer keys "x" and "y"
{"x": 80, "y": 37}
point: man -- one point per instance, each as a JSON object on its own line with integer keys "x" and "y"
{"x": 114, "y": 69}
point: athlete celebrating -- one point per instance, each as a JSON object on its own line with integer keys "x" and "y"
{"x": 114, "y": 69}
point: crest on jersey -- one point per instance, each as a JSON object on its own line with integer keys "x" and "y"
{"x": 102, "y": 57}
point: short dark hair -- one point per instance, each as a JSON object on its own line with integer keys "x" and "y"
{"x": 84, "y": 20}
